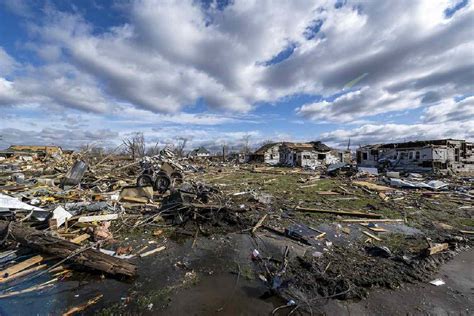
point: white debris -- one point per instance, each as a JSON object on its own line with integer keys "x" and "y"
{"x": 437, "y": 282}
{"x": 61, "y": 215}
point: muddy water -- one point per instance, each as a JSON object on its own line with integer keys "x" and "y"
{"x": 214, "y": 276}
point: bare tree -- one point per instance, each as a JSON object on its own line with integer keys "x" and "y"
{"x": 246, "y": 143}
{"x": 153, "y": 151}
{"x": 135, "y": 145}
{"x": 181, "y": 144}
{"x": 267, "y": 142}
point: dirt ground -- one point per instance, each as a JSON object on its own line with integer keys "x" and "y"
{"x": 456, "y": 297}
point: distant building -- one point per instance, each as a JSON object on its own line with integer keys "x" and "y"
{"x": 200, "y": 152}
{"x": 268, "y": 153}
{"x": 312, "y": 154}
{"x": 31, "y": 151}
{"x": 46, "y": 150}
{"x": 444, "y": 155}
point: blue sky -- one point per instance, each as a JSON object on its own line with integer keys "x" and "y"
{"x": 93, "y": 72}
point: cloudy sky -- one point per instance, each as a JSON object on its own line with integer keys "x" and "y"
{"x": 95, "y": 71}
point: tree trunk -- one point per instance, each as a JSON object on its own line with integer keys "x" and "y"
{"x": 45, "y": 243}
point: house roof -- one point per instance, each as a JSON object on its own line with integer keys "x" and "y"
{"x": 264, "y": 148}
{"x": 420, "y": 143}
{"x": 319, "y": 146}
{"x": 299, "y": 146}
{"x": 200, "y": 150}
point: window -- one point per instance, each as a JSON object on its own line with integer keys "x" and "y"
{"x": 417, "y": 155}
{"x": 364, "y": 156}
{"x": 321, "y": 156}
{"x": 410, "y": 155}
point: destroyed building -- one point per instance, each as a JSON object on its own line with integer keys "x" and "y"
{"x": 443, "y": 155}
{"x": 313, "y": 154}
{"x": 268, "y": 153}
{"x": 200, "y": 152}
{"x": 28, "y": 151}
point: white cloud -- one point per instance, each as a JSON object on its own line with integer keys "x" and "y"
{"x": 461, "y": 111}
{"x": 387, "y": 133}
{"x": 171, "y": 54}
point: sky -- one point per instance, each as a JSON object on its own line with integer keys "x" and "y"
{"x": 94, "y": 72}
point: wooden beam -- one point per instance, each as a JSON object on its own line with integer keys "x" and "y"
{"x": 80, "y": 308}
{"x": 365, "y": 220}
{"x": 22, "y": 273}
{"x": 20, "y": 266}
{"x": 371, "y": 236}
{"x": 80, "y": 238}
{"x": 344, "y": 213}
{"x": 259, "y": 223}
{"x": 97, "y": 218}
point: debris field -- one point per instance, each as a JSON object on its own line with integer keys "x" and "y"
{"x": 107, "y": 234}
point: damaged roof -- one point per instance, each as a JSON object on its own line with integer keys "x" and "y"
{"x": 201, "y": 150}
{"x": 264, "y": 148}
{"x": 418, "y": 143}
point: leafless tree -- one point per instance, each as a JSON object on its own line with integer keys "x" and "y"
{"x": 153, "y": 151}
{"x": 180, "y": 145}
{"x": 246, "y": 143}
{"x": 135, "y": 145}
{"x": 267, "y": 142}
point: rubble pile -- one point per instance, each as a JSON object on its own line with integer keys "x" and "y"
{"x": 67, "y": 214}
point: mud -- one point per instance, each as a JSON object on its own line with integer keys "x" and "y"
{"x": 349, "y": 273}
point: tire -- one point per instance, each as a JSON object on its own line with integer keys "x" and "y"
{"x": 144, "y": 180}
{"x": 162, "y": 183}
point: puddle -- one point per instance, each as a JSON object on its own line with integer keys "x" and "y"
{"x": 163, "y": 281}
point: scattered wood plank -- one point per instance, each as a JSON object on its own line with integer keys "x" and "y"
{"x": 327, "y": 193}
{"x": 46, "y": 243}
{"x": 97, "y": 218}
{"x": 366, "y": 220}
{"x": 345, "y": 213}
{"x": 467, "y": 232}
{"x": 259, "y": 223}
{"x": 371, "y": 236}
{"x": 31, "y": 289}
{"x": 20, "y": 266}
{"x": 378, "y": 229}
{"x": 134, "y": 199}
{"x": 80, "y": 238}
{"x": 372, "y": 186}
{"x": 308, "y": 185}
{"x": 320, "y": 236}
{"x": 152, "y": 251}
{"x": 82, "y": 307}
{"x": 22, "y": 273}
{"x": 436, "y": 248}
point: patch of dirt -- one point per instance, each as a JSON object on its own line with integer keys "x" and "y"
{"x": 349, "y": 273}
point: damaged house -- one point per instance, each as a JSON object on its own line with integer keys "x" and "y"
{"x": 311, "y": 155}
{"x": 268, "y": 153}
{"x": 29, "y": 151}
{"x": 443, "y": 155}
{"x": 200, "y": 152}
